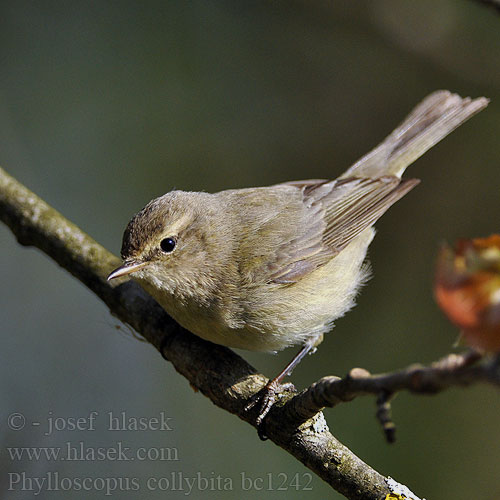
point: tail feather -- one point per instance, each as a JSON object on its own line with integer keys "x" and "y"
{"x": 433, "y": 119}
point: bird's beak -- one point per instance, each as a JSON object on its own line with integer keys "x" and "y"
{"x": 127, "y": 267}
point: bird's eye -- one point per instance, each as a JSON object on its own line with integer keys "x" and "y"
{"x": 167, "y": 245}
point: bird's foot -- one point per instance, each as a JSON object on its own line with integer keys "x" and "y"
{"x": 265, "y": 399}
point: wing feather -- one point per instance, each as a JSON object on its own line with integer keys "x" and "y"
{"x": 334, "y": 213}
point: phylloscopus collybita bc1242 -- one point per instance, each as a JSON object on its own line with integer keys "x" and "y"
{"x": 270, "y": 267}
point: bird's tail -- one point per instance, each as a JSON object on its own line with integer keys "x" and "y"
{"x": 433, "y": 119}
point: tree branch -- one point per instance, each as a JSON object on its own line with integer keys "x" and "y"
{"x": 216, "y": 371}
{"x": 295, "y": 423}
{"x": 451, "y": 371}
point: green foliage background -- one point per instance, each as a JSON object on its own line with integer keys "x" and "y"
{"x": 105, "y": 105}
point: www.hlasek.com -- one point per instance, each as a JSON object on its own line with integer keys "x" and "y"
{"x": 78, "y": 452}
{"x": 176, "y": 481}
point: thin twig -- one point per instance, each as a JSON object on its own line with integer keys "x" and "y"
{"x": 451, "y": 371}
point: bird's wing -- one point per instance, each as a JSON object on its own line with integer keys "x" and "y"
{"x": 332, "y": 214}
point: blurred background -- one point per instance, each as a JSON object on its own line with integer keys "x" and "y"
{"x": 105, "y": 105}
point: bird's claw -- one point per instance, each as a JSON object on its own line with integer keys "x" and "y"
{"x": 265, "y": 398}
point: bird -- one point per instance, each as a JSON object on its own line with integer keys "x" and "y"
{"x": 266, "y": 268}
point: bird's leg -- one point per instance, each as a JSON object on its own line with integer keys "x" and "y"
{"x": 267, "y": 395}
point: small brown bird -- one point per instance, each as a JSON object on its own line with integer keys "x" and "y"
{"x": 270, "y": 267}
